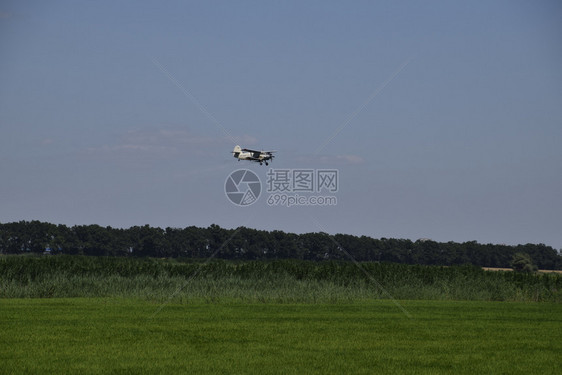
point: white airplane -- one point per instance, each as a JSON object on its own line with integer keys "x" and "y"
{"x": 253, "y": 155}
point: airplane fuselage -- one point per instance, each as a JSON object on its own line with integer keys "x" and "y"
{"x": 252, "y": 155}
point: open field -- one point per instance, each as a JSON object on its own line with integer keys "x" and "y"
{"x": 98, "y": 315}
{"x": 99, "y": 336}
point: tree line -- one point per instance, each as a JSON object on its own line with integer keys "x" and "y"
{"x": 35, "y": 237}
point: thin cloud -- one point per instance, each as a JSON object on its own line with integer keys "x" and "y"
{"x": 347, "y": 159}
{"x": 166, "y": 143}
{"x": 350, "y": 159}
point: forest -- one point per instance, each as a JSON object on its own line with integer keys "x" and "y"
{"x": 35, "y": 237}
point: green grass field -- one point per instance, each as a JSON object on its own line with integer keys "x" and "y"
{"x": 113, "y": 335}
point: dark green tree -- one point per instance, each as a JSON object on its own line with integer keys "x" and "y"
{"x": 522, "y": 262}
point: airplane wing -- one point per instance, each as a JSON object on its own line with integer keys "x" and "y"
{"x": 252, "y": 151}
{"x": 258, "y": 152}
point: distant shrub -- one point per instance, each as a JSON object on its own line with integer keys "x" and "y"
{"x": 522, "y": 262}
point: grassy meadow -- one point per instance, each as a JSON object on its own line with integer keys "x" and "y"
{"x": 97, "y": 315}
{"x": 100, "y": 336}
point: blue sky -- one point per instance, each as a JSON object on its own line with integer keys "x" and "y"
{"x": 444, "y": 119}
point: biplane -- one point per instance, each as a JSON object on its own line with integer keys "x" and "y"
{"x": 253, "y": 155}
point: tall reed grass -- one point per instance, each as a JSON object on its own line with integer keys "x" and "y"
{"x": 282, "y": 281}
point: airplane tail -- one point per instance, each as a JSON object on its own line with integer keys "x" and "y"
{"x": 236, "y": 151}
